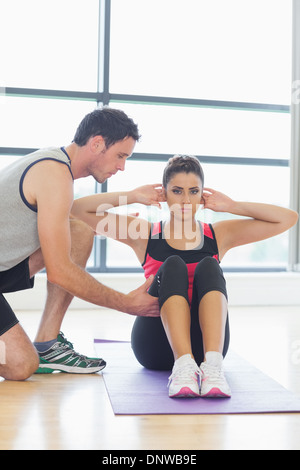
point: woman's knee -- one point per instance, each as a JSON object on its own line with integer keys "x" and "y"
{"x": 175, "y": 264}
{"x": 208, "y": 268}
{"x": 172, "y": 279}
{"x": 174, "y": 271}
{"x": 208, "y": 263}
{"x": 209, "y": 276}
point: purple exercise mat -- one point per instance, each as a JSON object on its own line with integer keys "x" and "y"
{"x": 134, "y": 390}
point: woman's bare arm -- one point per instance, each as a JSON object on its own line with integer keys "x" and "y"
{"x": 261, "y": 221}
{"x": 127, "y": 229}
{"x": 150, "y": 194}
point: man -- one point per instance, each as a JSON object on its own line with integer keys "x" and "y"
{"x": 37, "y": 231}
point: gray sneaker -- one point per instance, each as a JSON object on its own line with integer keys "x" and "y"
{"x": 62, "y": 357}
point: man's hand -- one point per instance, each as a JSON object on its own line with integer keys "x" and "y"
{"x": 142, "y": 304}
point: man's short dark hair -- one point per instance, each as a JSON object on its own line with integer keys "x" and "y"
{"x": 112, "y": 124}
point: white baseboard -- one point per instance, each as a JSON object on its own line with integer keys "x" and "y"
{"x": 244, "y": 289}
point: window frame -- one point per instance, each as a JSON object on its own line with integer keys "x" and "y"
{"x": 103, "y": 97}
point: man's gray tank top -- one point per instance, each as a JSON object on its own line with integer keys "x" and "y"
{"x": 18, "y": 219}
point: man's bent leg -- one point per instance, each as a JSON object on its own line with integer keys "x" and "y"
{"x": 18, "y": 357}
{"x": 56, "y": 353}
{"x": 58, "y": 300}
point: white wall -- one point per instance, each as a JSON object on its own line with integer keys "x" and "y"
{"x": 243, "y": 289}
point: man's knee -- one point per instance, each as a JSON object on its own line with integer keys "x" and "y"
{"x": 81, "y": 229}
{"x": 82, "y": 240}
{"x": 24, "y": 368}
{"x": 19, "y": 358}
{"x": 20, "y": 368}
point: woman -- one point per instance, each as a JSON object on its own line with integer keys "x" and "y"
{"x": 184, "y": 255}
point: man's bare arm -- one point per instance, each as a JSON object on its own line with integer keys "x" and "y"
{"x": 52, "y": 189}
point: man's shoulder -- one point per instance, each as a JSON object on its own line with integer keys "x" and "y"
{"x": 55, "y": 153}
{"x": 49, "y": 157}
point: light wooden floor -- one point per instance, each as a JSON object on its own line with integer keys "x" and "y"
{"x": 73, "y": 412}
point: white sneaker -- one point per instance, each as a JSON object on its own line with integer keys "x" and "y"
{"x": 213, "y": 381}
{"x": 184, "y": 381}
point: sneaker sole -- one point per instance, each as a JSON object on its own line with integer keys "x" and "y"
{"x": 215, "y": 393}
{"x": 185, "y": 392}
{"x": 49, "y": 369}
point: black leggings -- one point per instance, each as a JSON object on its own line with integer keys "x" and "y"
{"x": 148, "y": 339}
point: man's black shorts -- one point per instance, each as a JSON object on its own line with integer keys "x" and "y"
{"x": 13, "y": 280}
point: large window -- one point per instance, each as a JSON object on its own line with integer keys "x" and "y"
{"x": 212, "y": 79}
{"x": 49, "y": 45}
{"x": 218, "y": 50}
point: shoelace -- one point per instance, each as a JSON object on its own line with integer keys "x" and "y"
{"x": 212, "y": 372}
{"x": 65, "y": 341}
{"x": 184, "y": 373}
{"x": 68, "y": 345}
